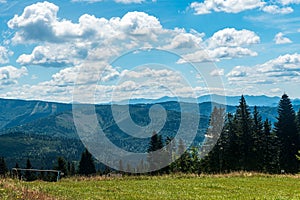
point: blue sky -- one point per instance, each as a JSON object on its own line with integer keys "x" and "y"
{"x": 120, "y": 49}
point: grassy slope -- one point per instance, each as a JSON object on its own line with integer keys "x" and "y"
{"x": 234, "y": 186}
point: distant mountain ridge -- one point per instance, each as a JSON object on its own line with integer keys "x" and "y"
{"x": 19, "y": 112}
{"x": 261, "y": 100}
{"x": 46, "y": 129}
{"x": 16, "y": 112}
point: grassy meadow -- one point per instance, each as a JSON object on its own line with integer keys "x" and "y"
{"x": 231, "y": 186}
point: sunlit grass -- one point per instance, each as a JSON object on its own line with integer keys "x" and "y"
{"x": 231, "y": 186}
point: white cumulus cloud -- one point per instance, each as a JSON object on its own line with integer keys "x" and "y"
{"x": 62, "y": 42}
{"x": 280, "y": 39}
{"x": 288, "y": 2}
{"x": 236, "y": 6}
{"x": 274, "y": 9}
{"x": 53, "y": 56}
{"x": 284, "y": 68}
{"x": 225, "y": 44}
{"x": 4, "y": 55}
{"x": 185, "y": 41}
{"x": 216, "y": 55}
{"x": 217, "y": 72}
{"x": 230, "y": 37}
{"x": 9, "y": 75}
{"x": 228, "y": 6}
{"x": 36, "y": 22}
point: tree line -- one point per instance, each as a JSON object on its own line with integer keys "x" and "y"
{"x": 242, "y": 142}
{"x": 86, "y": 167}
{"x": 248, "y": 143}
{"x": 233, "y": 142}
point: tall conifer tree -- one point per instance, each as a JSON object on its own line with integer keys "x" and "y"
{"x": 258, "y": 139}
{"x": 156, "y": 144}
{"x": 245, "y": 144}
{"x": 86, "y": 164}
{"x": 288, "y": 137}
{"x": 3, "y": 167}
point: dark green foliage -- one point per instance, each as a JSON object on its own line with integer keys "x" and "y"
{"x": 234, "y": 149}
{"x": 214, "y": 130}
{"x": 184, "y": 162}
{"x": 17, "y": 166}
{"x": 29, "y": 175}
{"x": 72, "y": 171}
{"x": 170, "y": 154}
{"x": 298, "y": 119}
{"x": 214, "y": 141}
{"x": 3, "y": 167}
{"x": 298, "y": 123}
{"x": 155, "y": 142}
{"x": 195, "y": 160}
{"x": 61, "y": 165}
{"x": 258, "y": 140}
{"x": 245, "y": 143}
{"x": 19, "y": 112}
{"x": 17, "y": 174}
{"x": 86, "y": 164}
{"x": 222, "y": 157}
{"x": 269, "y": 149}
{"x": 155, "y": 151}
{"x": 228, "y": 146}
{"x": 288, "y": 136}
{"x": 41, "y": 150}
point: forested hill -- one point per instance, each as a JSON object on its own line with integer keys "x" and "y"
{"x": 55, "y": 119}
{"x": 46, "y": 129}
{"x": 14, "y": 113}
{"x": 19, "y": 112}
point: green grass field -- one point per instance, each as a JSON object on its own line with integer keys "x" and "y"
{"x": 232, "y": 186}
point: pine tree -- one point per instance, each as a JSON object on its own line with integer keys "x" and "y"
{"x": 155, "y": 145}
{"x": 298, "y": 156}
{"x": 298, "y": 121}
{"x": 29, "y": 175}
{"x": 72, "y": 169}
{"x": 288, "y": 137}
{"x": 3, "y": 167}
{"x": 61, "y": 165}
{"x": 258, "y": 140}
{"x": 230, "y": 144}
{"x": 195, "y": 161}
{"x": 216, "y": 124}
{"x": 269, "y": 149}
{"x": 245, "y": 136}
{"x": 184, "y": 162}
{"x": 17, "y": 165}
{"x": 69, "y": 168}
{"x": 86, "y": 164}
{"x": 170, "y": 148}
{"x": 223, "y": 156}
{"x": 214, "y": 141}
{"x": 17, "y": 173}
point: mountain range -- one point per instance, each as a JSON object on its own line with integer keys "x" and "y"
{"x": 42, "y": 130}
{"x": 261, "y": 100}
